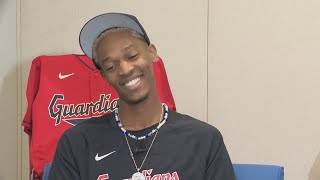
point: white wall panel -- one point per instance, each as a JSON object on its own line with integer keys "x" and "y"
{"x": 264, "y": 82}
{"x": 8, "y": 91}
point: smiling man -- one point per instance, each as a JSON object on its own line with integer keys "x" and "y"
{"x": 142, "y": 139}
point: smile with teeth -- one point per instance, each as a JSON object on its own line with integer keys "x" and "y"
{"x": 132, "y": 82}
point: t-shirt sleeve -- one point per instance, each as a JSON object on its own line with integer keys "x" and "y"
{"x": 64, "y": 166}
{"x": 31, "y": 93}
{"x": 219, "y": 163}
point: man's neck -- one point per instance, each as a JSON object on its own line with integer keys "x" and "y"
{"x": 140, "y": 116}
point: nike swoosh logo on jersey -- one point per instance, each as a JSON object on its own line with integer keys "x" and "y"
{"x": 64, "y": 76}
{"x": 98, "y": 158}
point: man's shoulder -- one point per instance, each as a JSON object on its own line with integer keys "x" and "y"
{"x": 192, "y": 124}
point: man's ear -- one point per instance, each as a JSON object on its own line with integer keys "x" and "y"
{"x": 101, "y": 72}
{"x": 153, "y": 53}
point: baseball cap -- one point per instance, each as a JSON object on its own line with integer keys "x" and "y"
{"x": 97, "y": 25}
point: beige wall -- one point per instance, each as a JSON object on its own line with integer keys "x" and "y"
{"x": 9, "y": 91}
{"x": 250, "y": 68}
{"x": 264, "y": 81}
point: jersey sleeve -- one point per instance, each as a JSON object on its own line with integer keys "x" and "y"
{"x": 31, "y": 93}
{"x": 162, "y": 83}
{"x": 219, "y": 163}
{"x": 64, "y": 166}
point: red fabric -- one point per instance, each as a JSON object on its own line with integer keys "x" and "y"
{"x": 84, "y": 92}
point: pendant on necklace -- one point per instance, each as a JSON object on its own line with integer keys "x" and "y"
{"x": 138, "y": 176}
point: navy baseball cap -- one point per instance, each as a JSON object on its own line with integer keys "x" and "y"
{"x": 97, "y": 25}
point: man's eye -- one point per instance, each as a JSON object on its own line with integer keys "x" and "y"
{"x": 110, "y": 67}
{"x": 133, "y": 56}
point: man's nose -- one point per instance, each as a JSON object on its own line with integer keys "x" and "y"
{"x": 125, "y": 68}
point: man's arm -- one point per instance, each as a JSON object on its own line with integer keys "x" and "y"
{"x": 219, "y": 164}
{"x": 64, "y": 166}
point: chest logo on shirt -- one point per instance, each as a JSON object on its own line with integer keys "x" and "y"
{"x": 64, "y": 76}
{"x": 75, "y": 113}
{"x": 98, "y": 158}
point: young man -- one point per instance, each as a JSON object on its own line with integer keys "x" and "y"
{"x": 142, "y": 139}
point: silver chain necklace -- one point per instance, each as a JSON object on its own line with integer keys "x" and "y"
{"x": 138, "y": 175}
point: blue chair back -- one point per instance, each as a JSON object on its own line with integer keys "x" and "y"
{"x": 46, "y": 171}
{"x": 258, "y": 172}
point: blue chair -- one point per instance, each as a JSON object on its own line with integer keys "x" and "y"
{"x": 258, "y": 172}
{"x": 242, "y": 171}
{"x": 46, "y": 171}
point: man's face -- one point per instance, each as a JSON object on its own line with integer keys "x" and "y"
{"x": 127, "y": 65}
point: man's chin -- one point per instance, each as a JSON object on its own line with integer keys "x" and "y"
{"x": 137, "y": 100}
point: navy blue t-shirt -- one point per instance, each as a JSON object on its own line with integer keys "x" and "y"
{"x": 185, "y": 148}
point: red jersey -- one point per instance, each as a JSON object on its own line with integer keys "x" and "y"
{"x": 63, "y": 91}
